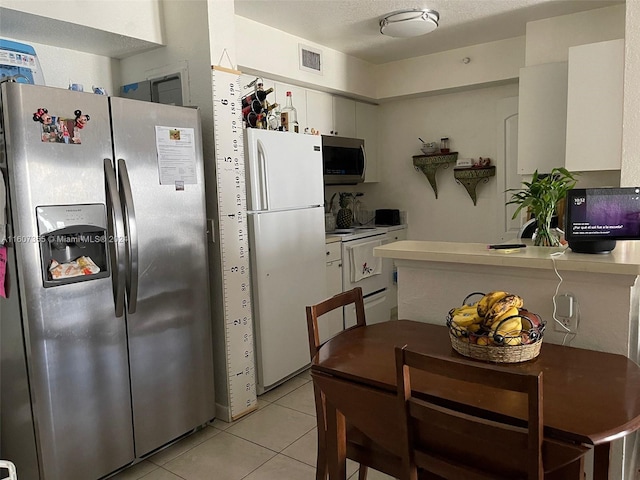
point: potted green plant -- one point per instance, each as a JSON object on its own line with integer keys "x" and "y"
{"x": 541, "y": 196}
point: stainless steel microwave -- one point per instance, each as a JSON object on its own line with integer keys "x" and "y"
{"x": 344, "y": 160}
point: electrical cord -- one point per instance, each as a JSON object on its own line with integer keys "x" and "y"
{"x": 568, "y": 331}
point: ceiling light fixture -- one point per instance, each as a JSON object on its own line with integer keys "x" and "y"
{"x": 409, "y": 23}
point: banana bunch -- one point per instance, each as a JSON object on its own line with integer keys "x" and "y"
{"x": 465, "y": 315}
{"x": 497, "y": 318}
{"x": 488, "y": 300}
{"x": 505, "y": 308}
{"x": 465, "y": 319}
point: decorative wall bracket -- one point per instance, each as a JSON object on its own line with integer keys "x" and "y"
{"x": 429, "y": 165}
{"x": 470, "y": 177}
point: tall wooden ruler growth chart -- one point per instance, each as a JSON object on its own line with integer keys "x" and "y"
{"x": 232, "y": 214}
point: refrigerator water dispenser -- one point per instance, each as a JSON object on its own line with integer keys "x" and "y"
{"x": 73, "y": 243}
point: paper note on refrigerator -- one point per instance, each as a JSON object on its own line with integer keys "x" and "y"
{"x": 176, "y": 155}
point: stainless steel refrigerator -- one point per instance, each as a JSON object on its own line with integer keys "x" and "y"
{"x": 107, "y": 359}
{"x": 285, "y": 198}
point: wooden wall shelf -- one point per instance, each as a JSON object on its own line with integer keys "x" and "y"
{"x": 429, "y": 164}
{"x": 470, "y": 177}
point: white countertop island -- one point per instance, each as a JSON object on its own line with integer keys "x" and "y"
{"x": 433, "y": 277}
{"x": 623, "y": 260}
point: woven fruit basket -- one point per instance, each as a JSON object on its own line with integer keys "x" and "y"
{"x": 499, "y": 332}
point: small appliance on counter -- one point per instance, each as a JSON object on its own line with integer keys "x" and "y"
{"x": 388, "y": 217}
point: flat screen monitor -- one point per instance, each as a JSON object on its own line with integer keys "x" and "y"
{"x": 597, "y": 217}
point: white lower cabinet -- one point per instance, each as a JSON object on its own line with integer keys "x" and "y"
{"x": 394, "y": 236}
{"x": 332, "y": 322}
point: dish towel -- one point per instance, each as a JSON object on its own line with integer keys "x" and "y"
{"x": 363, "y": 263}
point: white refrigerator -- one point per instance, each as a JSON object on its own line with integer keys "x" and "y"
{"x": 285, "y": 212}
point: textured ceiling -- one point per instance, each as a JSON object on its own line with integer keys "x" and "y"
{"x": 352, "y": 26}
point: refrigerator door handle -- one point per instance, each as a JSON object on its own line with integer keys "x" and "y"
{"x": 115, "y": 229}
{"x": 131, "y": 235}
{"x": 263, "y": 177}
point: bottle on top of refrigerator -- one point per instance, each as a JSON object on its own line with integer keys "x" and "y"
{"x": 289, "y": 116}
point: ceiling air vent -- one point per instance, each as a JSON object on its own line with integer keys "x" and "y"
{"x": 310, "y": 59}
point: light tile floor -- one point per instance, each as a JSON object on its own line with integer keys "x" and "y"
{"x": 276, "y": 442}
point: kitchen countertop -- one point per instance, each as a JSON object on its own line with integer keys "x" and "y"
{"x": 331, "y": 238}
{"x": 623, "y": 260}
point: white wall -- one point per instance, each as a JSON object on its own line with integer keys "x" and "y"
{"x": 265, "y": 50}
{"x": 187, "y": 35}
{"x": 489, "y": 62}
{"x": 549, "y": 40}
{"x": 61, "y": 67}
{"x": 468, "y": 119}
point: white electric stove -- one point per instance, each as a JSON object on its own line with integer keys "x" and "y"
{"x": 375, "y": 288}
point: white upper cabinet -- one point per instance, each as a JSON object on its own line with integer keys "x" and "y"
{"x": 320, "y": 111}
{"x": 331, "y": 115}
{"x": 110, "y": 29}
{"x": 366, "y": 128}
{"x": 594, "y": 106}
{"x": 344, "y": 117}
{"x": 542, "y": 108}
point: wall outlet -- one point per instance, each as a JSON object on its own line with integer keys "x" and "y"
{"x": 570, "y": 322}
{"x": 566, "y": 313}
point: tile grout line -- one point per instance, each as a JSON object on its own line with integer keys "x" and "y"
{"x": 220, "y": 431}
{"x": 187, "y": 450}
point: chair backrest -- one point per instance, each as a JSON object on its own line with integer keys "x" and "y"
{"x": 337, "y": 301}
{"x": 469, "y": 445}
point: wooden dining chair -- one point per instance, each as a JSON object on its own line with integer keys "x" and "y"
{"x": 313, "y": 313}
{"x": 360, "y": 448}
{"x": 465, "y": 444}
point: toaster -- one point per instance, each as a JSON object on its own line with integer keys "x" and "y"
{"x": 388, "y": 217}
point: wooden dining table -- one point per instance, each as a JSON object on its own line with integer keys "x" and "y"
{"x": 590, "y": 397}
